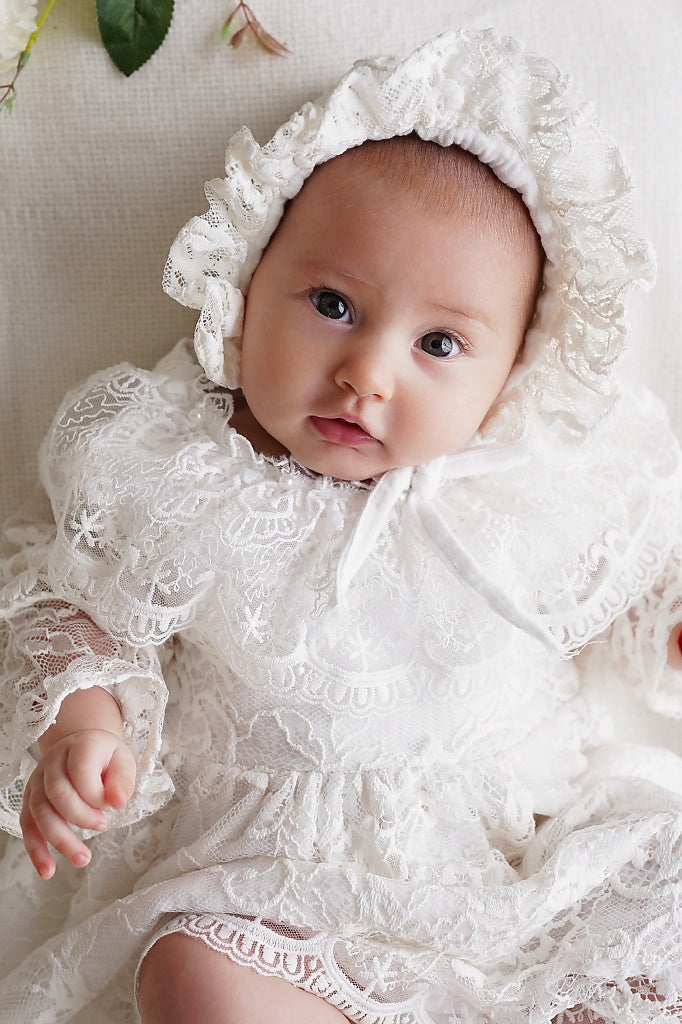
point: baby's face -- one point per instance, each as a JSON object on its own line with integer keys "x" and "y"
{"x": 378, "y": 334}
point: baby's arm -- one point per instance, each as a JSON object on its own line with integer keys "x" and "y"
{"x": 85, "y": 767}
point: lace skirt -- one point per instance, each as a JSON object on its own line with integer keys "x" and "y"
{"x": 365, "y": 991}
{"x": 327, "y": 968}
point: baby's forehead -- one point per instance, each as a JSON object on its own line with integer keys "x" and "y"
{"x": 439, "y": 179}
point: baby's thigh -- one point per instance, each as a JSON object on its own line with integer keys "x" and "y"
{"x": 181, "y": 981}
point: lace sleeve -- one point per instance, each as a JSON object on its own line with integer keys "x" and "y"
{"x": 95, "y": 599}
{"x": 48, "y": 649}
{"x": 121, "y": 467}
{"x": 636, "y": 646}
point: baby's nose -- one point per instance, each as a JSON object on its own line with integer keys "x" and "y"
{"x": 368, "y": 371}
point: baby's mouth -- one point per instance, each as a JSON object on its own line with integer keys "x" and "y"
{"x": 339, "y": 430}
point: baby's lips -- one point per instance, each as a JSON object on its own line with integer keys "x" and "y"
{"x": 341, "y": 431}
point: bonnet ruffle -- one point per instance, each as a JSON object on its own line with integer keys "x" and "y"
{"x": 524, "y": 118}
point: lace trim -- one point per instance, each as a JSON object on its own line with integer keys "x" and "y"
{"x": 306, "y": 959}
{"x": 321, "y": 965}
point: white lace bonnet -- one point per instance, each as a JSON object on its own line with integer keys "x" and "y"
{"x": 520, "y": 115}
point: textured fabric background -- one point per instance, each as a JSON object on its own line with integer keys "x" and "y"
{"x": 98, "y": 172}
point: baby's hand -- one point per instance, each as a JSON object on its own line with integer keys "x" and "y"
{"x": 80, "y": 775}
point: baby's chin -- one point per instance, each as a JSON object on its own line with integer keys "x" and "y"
{"x": 341, "y": 467}
{"x": 346, "y": 477}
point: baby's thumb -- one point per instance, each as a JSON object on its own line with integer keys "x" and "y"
{"x": 119, "y": 778}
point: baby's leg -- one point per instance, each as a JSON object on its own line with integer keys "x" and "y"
{"x": 640, "y": 987}
{"x": 183, "y": 981}
{"x": 577, "y": 1016}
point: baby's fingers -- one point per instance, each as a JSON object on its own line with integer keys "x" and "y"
{"x": 119, "y": 778}
{"x": 40, "y": 825}
{"x": 35, "y": 845}
{"x": 102, "y": 770}
{"x": 64, "y": 798}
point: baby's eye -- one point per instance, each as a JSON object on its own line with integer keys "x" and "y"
{"x": 440, "y": 344}
{"x": 331, "y": 304}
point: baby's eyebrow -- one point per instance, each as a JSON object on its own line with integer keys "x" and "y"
{"x": 327, "y": 270}
{"x": 469, "y": 314}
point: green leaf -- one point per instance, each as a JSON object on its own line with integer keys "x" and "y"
{"x": 132, "y": 30}
{"x": 227, "y": 31}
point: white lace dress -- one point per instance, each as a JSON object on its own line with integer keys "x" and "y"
{"x": 367, "y": 762}
{"x": 345, "y": 787}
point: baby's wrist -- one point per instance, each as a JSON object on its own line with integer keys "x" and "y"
{"x": 94, "y": 708}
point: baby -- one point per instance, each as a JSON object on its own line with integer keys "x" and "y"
{"x": 303, "y": 634}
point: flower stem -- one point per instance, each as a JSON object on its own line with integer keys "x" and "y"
{"x": 39, "y": 24}
{"x": 7, "y": 97}
{"x": 252, "y": 25}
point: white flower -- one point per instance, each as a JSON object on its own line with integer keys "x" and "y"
{"x": 17, "y": 23}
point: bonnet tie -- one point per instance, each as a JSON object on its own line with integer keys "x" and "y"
{"x": 383, "y": 498}
{"x": 419, "y": 486}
